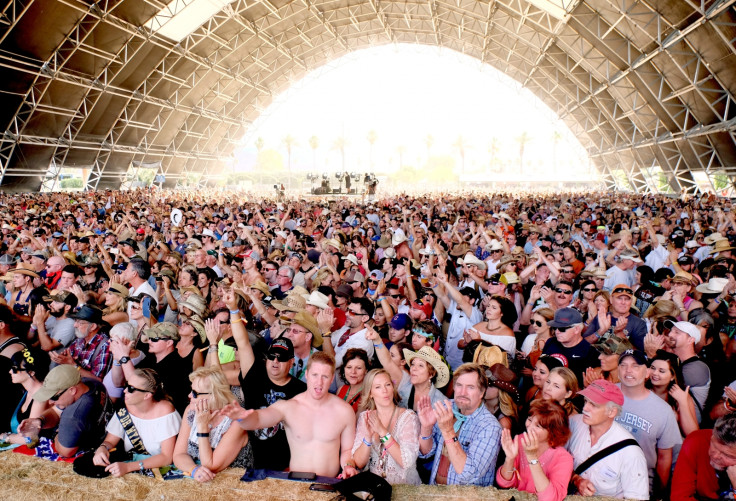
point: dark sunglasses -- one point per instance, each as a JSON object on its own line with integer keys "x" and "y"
{"x": 57, "y": 396}
{"x": 563, "y": 291}
{"x": 567, "y": 270}
{"x": 371, "y": 281}
{"x": 132, "y": 389}
{"x": 279, "y": 357}
{"x": 537, "y": 323}
{"x": 589, "y": 289}
{"x": 624, "y": 290}
{"x": 154, "y": 339}
{"x": 15, "y": 369}
{"x": 196, "y": 393}
{"x": 395, "y": 296}
{"x": 564, "y": 329}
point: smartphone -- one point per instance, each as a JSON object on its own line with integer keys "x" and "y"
{"x": 322, "y": 488}
{"x": 302, "y": 475}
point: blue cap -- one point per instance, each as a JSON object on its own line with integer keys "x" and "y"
{"x": 400, "y": 321}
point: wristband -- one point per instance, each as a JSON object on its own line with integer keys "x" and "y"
{"x": 140, "y": 465}
{"x": 385, "y": 438}
{"x": 233, "y": 312}
{"x": 377, "y": 345}
{"x": 389, "y": 444}
{"x": 203, "y": 435}
{"x": 236, "y": 320}
{"x": 426, "y": 438}
{"x": 195, "y": 470}
{"x": 367, "y": 443}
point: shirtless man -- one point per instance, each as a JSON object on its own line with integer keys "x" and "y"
{"x": 320, "y": 427}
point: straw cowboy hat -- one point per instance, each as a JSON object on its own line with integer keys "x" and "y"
{"x": 434, "y": 359}
{"x": 24, "y": 269}
{"x": 721, "y": 245}
{"x": 292, "y": 302}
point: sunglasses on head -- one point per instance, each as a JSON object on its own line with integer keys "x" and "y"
{"x": 196, "y": 393}
{"x": 563, "y": 291}
{"x": 622, "y": 290}
{"x": 132, "y": 389}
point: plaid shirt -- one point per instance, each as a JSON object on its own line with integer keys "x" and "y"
{"x": 480, "y": 438}
{"x": 82, "y": 353}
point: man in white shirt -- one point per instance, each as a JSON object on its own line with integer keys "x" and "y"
{"x": 621, "y": 474}
{"x": 352, "y": 334}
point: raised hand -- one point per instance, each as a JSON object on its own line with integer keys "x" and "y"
{"x": 510, "y": 445}
{"x": 425, "y": 413}
{"x": 592, "y": 374}
{"x": 234, "y": 411}
{"x": 212, "y": 329}
{"x": 530, "y": 442}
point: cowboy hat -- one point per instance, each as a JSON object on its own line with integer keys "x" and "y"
{"x": 721, "y": 246}
{"x": 434, "y": 359}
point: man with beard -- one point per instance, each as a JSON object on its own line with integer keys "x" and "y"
{"x": 89, "y": 353}
{"x": 54, "y": 327}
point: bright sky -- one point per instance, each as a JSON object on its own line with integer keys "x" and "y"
{"x": 404, "y": 93}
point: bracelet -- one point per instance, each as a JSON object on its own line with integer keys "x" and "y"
{"x": 195, "y": 470}
{"x": 390, "y": 444}
{"x": 426, "y": 438}
{"x": 385, "y": 438}
{"x": 236, "y": 320}
{"x": 367, "y": 443}
{"x": 510, "y": 472}
{"x": 140, "y": 464}
{"x": 116, "y": 363}
{"x": 212, "y": 347}
{"x": 380, "y": 299}
{"x": 377, "y": 345}
{"x": 234, "y": 312}
{"x": 203, "y": 435}
{"x": 329, "y": 334}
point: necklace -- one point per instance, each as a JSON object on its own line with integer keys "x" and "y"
{"x": 488, "y": 326}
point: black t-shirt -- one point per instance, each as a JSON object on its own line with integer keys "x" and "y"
{"x": 579, "y": 357}
{"x": 174, "y": 373}
{"x": 270, "y": 446}
{"x": 645, "y": 296}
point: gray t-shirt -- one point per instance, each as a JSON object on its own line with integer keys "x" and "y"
{"x": 653, "y": 424}
{"x": 696, "y": 375}
{"x": 82, "y": 424}
{"x": 61, "y": 331}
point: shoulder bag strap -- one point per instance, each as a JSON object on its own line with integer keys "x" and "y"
{"x": 604, "y": 453}
{"x": 131, "y": 432}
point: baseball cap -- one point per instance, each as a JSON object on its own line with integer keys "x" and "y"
{"x": 686, "y": 327}
{"x": 281, "y": 348}
{"x": 601, "y": 392}
{"x": 253, "y": 254}
{"x": 400, "y": 321}
{"x": 63, "y": 297}
{"x": 613, "y": 345}
{"x": 565, "y": 317}
{"x": 638, "y": 356}
{"x": 60, "y": 378}
{"x": 165, "y": 330}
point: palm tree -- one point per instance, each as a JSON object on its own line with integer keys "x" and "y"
{"x": 461, "y": 146}
{"x": 372, "y": 138}
{"x": 523, "y": 139}
{"x": 556, "y": 136}
{"x": 314, "y": 144}
{"x": 429, "y": 141}
{"x": 289, "y": 141}
{"x": 339, "y": 144}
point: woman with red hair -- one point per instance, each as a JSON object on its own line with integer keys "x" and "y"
{"x": 536, "y": 460}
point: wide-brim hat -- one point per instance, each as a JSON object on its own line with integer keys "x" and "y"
{"x": 398, "y": 238}
{"x": 435, "y": 360}
{"x": 292, "y": 302}
{"x": 470, "y": 259}
{"x": 713, "y": 238}
{"x": 460, "y": 249}
{"x": 24, "y": 269}
{"x": 316, "y": 298}
{"x": 307, "y": 320}
{"x": 118, "y": 289}
{"x": 504, "y": 379}
{"x": 384, "y": 242}
{"x": 91, "y": 314}
{"x": 713, "y": 286}
{"x": 198, "y": 324}
{"x": 684, "y": 277}
{"x": 194, "y": 302}
{"x": 721, "y": 246}
{"x": 71, "y": 257}
{"x": 261, "y": 286}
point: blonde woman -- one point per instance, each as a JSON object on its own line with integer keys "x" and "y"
{"x": 561, "y": 387}
{"x": 115, "y": 309}
{"x": 156, "y": 422}
{"x": 387, "y": 436}
{"x": 207, "y": 442}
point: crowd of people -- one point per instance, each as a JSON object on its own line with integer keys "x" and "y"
{"x": 558, "y": 343}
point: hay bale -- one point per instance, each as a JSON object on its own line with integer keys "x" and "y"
{"x": 25, "y": 478}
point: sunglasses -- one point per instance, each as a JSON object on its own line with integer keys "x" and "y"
{"x": 196, "y": 393}
{"x": 279, "y": 357}
{"x": 132, "y": 389}
{"x": 395, "y": 296}
{"x": 371, "y": 281}
{"x": 564, "y": 329}
{"x": 567, "y": 271}
{"x": 622, "y": 290}
{"x": 589, "y": 289}
{"x": 563, "y": 291}
{"x": 57, "y": 396}
{"x": 537, "y": 323}
{"x": 154, "y": 339}
{"x": 15, "y": 369}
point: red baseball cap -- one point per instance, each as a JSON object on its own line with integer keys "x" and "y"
{"x": 425, "y": 307}
{"x": 601, "y": 391}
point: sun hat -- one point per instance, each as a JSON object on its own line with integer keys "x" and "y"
{"x": 434, "y": 359}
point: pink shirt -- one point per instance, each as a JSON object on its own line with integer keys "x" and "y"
{"x": 557, "y": 465}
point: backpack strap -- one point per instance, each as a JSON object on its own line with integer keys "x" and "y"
{"x": 604, "y": 453}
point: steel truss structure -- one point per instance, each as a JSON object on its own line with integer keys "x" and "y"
{"x": 646, "y": 85}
